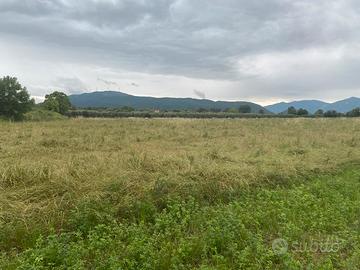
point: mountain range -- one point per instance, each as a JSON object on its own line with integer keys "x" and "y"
{"x": 312, "y": 106}
{"x": 112, "y": 99}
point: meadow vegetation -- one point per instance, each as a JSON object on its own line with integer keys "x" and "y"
{"x": 38, "y": 114}
{"x": 179, "y": 194}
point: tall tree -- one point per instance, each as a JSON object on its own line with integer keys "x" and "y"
{"x": 57, "y": 102}
{"x": 291, "y": 110}
{"x": 14, "y": 98}
{"x": 319, "y": 112}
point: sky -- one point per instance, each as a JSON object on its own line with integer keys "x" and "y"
{"x": 260, "y": 51}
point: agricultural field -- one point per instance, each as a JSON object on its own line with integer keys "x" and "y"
{"x": 180, "y": 194}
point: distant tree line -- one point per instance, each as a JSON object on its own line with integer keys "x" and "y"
{"x": 299, "y": 112}
{"x": 162, "y": 114}
{"x": 242, "y": 109}
{"x": 321, "y": 113}
{"x": 354, "y": 113}
{"x": 202, "y": 113}
{"x": 127, "y": 111}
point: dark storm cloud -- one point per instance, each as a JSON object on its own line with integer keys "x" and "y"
{"x": 268, "y": 48}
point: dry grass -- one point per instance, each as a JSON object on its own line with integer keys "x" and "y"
{"x": 48, "y": 168}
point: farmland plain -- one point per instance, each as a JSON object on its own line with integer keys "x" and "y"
{"x": 180, "y": 194}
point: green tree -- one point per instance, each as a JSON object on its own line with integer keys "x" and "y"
{"x": 244, "y": 109}
{"x": 354, "y": 113}
{"x": 302, "y": 112}
{"x": 57, "y": 102}
{"x": 127, "y": 109}
{"x": 332, "y": 113}
{"x": 291, "y": 110}
{"x": 319, "y": 112}
{"x": 14, "y": 99}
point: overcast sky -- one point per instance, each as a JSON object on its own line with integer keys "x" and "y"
{"x": 260, "y": 50}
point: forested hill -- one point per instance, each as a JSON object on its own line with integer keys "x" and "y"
{"x": 119, "y": 99}
{"x": 312, "y": 106}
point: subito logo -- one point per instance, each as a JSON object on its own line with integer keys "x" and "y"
{"x": 280, "y": 246}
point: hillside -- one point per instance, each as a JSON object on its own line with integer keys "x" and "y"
{"x": 119, "y": 99}
{"x": 313, "y": 105}
{"x": 310, "y": 105}
{"x": 344, "y": 105}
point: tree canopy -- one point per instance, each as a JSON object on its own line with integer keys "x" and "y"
{"x": 14, "y": 99}
{"x": 319, "y": 112}
{"x": 302, "y": 112}
{"x": 291, "y": 110}
{"x": 57, "y": 102}
{"x": 332, "y": 113}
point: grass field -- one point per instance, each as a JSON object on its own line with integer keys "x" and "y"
{"x": 180, "y": 194}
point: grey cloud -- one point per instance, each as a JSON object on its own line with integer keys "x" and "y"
{"x": 107, "y": 82}
{"x": 70, "y": 85}
{"x": 199, "y": 94}
{"x": 198, "y": 39}
{"x": 319, "y": 78}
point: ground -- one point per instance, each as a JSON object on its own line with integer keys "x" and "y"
{"x": 180, "y": 194}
